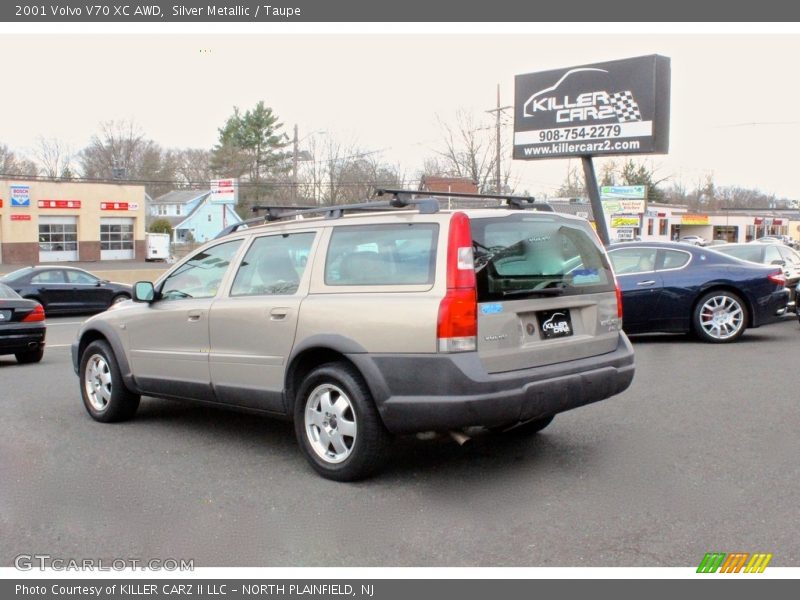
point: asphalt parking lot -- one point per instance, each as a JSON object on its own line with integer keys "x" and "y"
{"x": 700, "y": 454}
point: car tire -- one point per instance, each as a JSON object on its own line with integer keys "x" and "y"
{"x": 337, "y": 424}
{"x": 119, "y": 298}
{"x": 104, "y": 393}
{"x": 31, "y": 356}
{"x": 527, "y": 428}
{"x": 719, "y": 317}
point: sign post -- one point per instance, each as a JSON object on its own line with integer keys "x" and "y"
{"x": 224, "y": 192}
{"x": 603, "y": 109}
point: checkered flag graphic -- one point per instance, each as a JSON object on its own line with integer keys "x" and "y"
{"x": 625, "y": 107}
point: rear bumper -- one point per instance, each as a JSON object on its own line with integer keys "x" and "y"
{"x": 21, "y": 339}
{"x": 771, "y": 308}
{"x": 450, "y": 391}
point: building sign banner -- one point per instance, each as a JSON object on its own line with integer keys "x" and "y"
{"x": 59, "y": 203}
{"x": 611, "y": 108}
{"x": 20, "y": 217}
{"x": 119, "y": 206}
{"x": 694, "y": 219}
{"x": 224, "y": 191}
{"x": 635, "y": 207}
{"x": 623, "y": 191}
{"x": 20, "y": 195}
{"x": 624, "y": 221}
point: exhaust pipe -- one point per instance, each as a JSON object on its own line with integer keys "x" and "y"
{"x": 459, "y": 437}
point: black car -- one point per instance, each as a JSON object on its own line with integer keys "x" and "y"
{"x": 675, "y": 287}
{"x": 66, "y": 289}
{"x": 22, "y": 328}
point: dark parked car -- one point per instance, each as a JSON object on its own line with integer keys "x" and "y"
{"x": 776, "y": 253}
{"x": 22, "y": 328}
{"x": 66, "y": 289}
{"x": 675, "y": 287}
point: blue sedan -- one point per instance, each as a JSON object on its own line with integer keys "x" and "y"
{"x": 674, "y": 287}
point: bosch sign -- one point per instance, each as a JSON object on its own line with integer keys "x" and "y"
{"x": 618, "y": 107}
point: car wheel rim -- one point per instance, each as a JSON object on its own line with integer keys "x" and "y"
{"x": 97, "y": 382}
{"x": 721, "y": 317}
{"x": 330, "y": 423}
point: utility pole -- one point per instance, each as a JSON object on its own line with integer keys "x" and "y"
{"x": 295, "y": 159}
{"x": 497, "y": 170}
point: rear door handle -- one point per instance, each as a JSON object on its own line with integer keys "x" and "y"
{"x": 194, "y": 316}
{"x": 278, "y": 314}
{"x": 648, "y": 282}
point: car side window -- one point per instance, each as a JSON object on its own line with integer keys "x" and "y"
{"x": 674, "y": 259}
{"x": 382, "y": 255}
{"x": 80, "y": 277}
{"x": 273, "y": 265}
{"x": 771, "y": 254}
{"x": 627, "y": 261}
{"x": 52, "y": 276}
{"x": 200, "y": 276}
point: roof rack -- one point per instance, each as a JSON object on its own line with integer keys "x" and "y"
{"x": 514, "y": 202}
{"x": 275, "y": 213}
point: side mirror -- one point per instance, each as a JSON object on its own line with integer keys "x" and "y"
{"x": 143, "y": 291}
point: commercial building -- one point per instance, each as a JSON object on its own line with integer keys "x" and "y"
{"x": 48, "y": 221}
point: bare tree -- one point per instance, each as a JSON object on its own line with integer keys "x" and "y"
{"x": 341, "y": 173}
{"x": 193, "y": 166}
{"x": 574, "y": 185}
{"x": 11, "y": 164}
{"x": 470, "y": 151}
{"x": 53, "y": 156}
{"x": 122, "y": 152}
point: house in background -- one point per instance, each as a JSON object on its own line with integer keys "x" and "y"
{"x": 455, "y": 185}
{"x": 192, "y": 215}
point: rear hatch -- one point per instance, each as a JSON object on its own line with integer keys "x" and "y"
{"x": 546, "y": 292}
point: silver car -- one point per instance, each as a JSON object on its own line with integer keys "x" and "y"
{"x": 360, "y": 326}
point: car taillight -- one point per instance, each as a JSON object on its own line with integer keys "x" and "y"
{"x": 618, "y": 291}
{"x": 37, "y": 314}
{"x": 457, "y": 326}
{"x": 778, "y": 278}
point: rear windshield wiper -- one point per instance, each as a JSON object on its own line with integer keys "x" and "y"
{"x": 556, "y": 291}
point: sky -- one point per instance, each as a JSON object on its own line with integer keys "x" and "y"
{"x": 734, "y": 105}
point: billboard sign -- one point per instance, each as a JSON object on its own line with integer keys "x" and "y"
{"x": 20, "y": 195}
{"x": 621, "y": 206}
{"x": 224, "y": 191}
{"x": 610, "y": 108}
{"x": 624, "y": 221}
{"x": 623, "y": 191}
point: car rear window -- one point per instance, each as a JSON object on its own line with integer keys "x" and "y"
{"x": 537, "y": 255}
{"x": 397, "y": 254}
{"x": 6, "y": 293}
{"x": 749, "y": 252}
